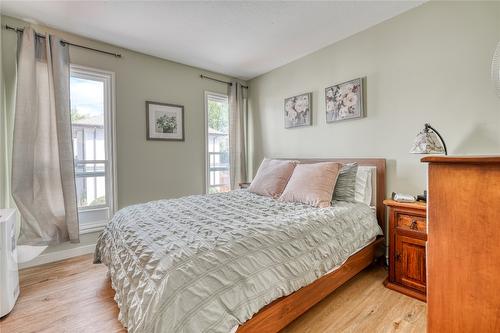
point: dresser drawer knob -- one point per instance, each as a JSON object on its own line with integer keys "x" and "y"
{"x": 413, "y": 225}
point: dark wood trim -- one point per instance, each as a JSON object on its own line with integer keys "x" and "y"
{"x": 462, "y": 159}
{"x": 148, "y": 137}
{"x": 275, "y": 316}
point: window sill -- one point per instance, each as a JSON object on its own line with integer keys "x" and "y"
{"x": 87, "y": 227}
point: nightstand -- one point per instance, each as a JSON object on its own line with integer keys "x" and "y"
{"x": 407, "y": 248}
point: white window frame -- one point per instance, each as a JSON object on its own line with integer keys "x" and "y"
{"x": 205, "y": 101}
{"x": 91, "y": 219}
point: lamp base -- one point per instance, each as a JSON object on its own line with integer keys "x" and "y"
{"x": 422, "y": 197}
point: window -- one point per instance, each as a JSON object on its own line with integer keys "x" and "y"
{"x": 92, "y": 127}
{"x": 217, "y": 142}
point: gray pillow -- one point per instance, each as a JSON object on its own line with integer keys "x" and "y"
{"x": 346, "y": 182}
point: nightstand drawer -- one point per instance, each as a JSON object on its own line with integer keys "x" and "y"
{"x": 411, "y": 222}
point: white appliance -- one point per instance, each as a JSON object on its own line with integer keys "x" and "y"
{"x": 9, "y": 278}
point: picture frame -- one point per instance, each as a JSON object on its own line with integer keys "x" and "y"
{"x": 298, "y": 110}
{"x": 164, "y": 121}
{"x": 344, "y": 101}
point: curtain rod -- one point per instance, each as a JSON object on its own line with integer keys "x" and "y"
{"x": 63, "y": 43}
{"x": 214, "y": 79}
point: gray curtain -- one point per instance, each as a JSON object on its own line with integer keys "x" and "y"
{"x": 43, "y": 183}
{"x": 238, "y": 105}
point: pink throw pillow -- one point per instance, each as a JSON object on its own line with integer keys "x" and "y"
{"x": 272, "y": 177}
{"x": 312, "y": 184}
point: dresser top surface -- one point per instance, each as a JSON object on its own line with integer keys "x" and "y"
{"x": 462, "y": 159}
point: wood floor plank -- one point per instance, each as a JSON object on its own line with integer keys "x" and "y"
{"x": 363, "y": 305}
{"x": 75, "y": 295}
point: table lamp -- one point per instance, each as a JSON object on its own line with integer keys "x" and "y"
{"x": 428, "y": 141}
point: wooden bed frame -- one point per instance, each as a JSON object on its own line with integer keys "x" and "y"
{"x": 278, "y": 314}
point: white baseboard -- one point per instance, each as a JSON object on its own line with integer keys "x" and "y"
{"x": 46, "y": 258}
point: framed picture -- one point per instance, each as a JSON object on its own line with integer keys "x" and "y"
{"x": 298, "y": 110}
{"x": 164, "y": 121}
{"x": 344, "y": 101}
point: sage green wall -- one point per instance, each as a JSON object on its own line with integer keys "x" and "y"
{"x": 146, "y": 170}
{"x": 430, "y": 64}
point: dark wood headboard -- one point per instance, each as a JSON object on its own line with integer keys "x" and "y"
{"x": 379, "y": 163}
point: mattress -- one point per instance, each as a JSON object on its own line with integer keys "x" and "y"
{"x": 208, "y": 263}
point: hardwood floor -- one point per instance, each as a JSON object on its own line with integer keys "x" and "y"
{"x": 76, "y": 296}
{"x": 67, "y": 296}
{"x": 363, "y": 305}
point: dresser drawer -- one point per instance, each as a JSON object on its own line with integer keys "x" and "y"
{"x": 411, "y": 222}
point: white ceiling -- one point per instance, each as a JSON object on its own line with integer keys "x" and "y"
{"x": 240, "y": 39}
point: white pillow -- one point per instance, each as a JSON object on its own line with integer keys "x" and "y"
{"x": 363, "y": 188}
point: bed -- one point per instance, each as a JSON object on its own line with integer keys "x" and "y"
{"x": 237, "y": 261}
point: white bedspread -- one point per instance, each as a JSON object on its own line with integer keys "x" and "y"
{"x": 208, "y": 263}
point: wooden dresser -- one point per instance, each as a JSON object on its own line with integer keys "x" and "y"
{"x": 407, "y": 240}
{"x": 463, "y": 249}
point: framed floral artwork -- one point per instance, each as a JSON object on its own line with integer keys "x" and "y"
{"x": 298, "y": 110}
{"x": 344, "y": 101}
{"x": 164, "y": 121}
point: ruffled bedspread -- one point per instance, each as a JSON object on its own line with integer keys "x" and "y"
{"x": 207, "y": 263}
